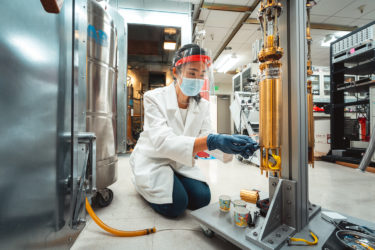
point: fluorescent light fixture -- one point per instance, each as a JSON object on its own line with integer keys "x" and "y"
{"x": 170, "y": 31}
{"x": 331, "y": 38}
{"x": 169, "y": 45}
{"x": 228, "y": 64}
{"x": 221, "y": 61}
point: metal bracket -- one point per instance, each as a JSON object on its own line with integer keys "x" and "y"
{"x": 313, "y": 210}
{"x": 280, "y": 221}
{"x": 86, "y": 182}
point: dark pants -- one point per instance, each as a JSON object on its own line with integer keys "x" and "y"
{"x": 187, "y": 193}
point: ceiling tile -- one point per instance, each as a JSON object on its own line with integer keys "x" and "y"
{"x": 248, "y": 26}
{"x": 215, "y": 34}
{"x": 254, "y": 14}
{"x": 353, "y": 11}
{"x": 212, "y": 46}
{"x": 339, "y": 20}
{"x": 369, "y": 16}
{"x": 235, "y": 46}
{"x": 318, "y": 18}
{"x": 361, "y": 22}
{"x": 223, "y": 19}
{"x": 204, "y": 14}
{"x": 235, "y": 2}
{"x": 329, "y": 7}
{"x": 242, "y": 36}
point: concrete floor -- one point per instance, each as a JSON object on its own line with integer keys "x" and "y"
{"x": 332, "y": 186}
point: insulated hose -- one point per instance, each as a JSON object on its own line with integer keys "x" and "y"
{"x": 116, "y": 231}
{"x": 309, "y": 243}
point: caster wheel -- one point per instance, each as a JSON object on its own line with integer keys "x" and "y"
{"x": 103, "y": 197}
{"x": 207, "y": 232}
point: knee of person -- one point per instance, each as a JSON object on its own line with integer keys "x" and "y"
{"x": 206, "y": 196}
{"x": 201, "y": 200}
{"x": 179, "y": 206}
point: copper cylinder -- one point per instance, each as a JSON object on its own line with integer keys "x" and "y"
{"x": 270, "y": 113}
{"x": 251, "y": 196}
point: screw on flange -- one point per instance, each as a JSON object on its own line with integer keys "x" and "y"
{"x": 255, "y": 234}
{"x": 270, "y": 241}
{"x": 274, "y": 184}
{"x": 278, "y": 235}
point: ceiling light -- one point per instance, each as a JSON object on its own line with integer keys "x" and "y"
{"x": 170, "y": 31}
{"x": 228, "y": 64}
{"x": 169, "y": 45}
{"x": 328, "y": 40}
{"x": 221, "y": 61}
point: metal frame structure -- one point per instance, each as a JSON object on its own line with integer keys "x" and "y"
{"x": 290, "y": 212}
{"x": 355, "y": 47}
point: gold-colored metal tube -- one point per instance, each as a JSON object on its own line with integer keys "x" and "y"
{"x": 270, "y": 116}
{"x": 270, "y": 92}
{"x": 270, "y": 113}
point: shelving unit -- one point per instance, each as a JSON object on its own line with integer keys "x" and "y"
{"x": 352, "y": 74}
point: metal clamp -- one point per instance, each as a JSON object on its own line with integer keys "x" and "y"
{"x": 86, "y": 183}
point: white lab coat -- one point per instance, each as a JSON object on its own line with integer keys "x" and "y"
{"x": 166, "y": 144}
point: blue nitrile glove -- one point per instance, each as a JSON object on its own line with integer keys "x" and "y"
{"x": 252, "y": 145}
{"x": 226, "y": 143}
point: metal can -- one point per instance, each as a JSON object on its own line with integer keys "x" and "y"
{"x": 239, "y": 203}
{"x": 224, "y": 202}
{"x": 241, "y": 216}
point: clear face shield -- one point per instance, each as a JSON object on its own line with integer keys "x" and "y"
{"x": 193, "y": 73}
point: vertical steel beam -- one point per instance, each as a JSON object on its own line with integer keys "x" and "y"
{"x": 294, "y": 140}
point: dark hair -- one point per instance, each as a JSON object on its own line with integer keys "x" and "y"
{"x": 187, "y": 50}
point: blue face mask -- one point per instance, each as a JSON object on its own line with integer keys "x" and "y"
{"x": 191, "y": 86}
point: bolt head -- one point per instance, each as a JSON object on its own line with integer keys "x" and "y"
{"x": 274, "y": 184}
{"x": 270, "y": 241}
{"x": 255, "y": 234}
{"x": 278, "y": 235}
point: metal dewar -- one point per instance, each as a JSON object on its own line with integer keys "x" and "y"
{"x": 101, "y": 91}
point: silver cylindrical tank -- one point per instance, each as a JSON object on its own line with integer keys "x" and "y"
{"x": 101, "y": 91}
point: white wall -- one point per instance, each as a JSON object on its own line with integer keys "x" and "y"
{"x": 225, "y": 88}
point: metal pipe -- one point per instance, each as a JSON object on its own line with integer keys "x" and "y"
{"x": 369, "y": 152}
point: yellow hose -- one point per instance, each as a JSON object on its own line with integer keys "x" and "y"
{"x": 116, "y": 231}
{"x": 310, "y": 243}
